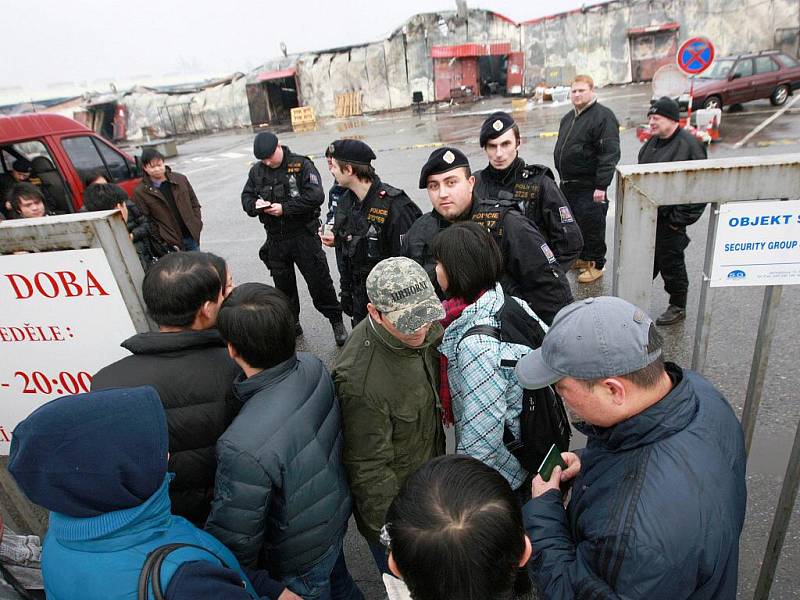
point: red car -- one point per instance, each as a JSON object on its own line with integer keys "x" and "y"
{"x": 63, "y": 152}
{"x": 737, "y": 79}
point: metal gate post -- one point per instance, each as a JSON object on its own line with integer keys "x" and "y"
{"x": 758, "y": 370}
{"x": 634, "y": 247}
{"x": 703, "y": 328}
{"x": 783, "y": 514}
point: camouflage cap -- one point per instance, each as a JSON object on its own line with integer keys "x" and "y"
{"x": 402, "y": 291}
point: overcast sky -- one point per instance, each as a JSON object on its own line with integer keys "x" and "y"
{"x": 88, "y": 42}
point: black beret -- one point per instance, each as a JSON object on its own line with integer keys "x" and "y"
{"x": 442, "y": 160}
{"x": 666, "y": 107}
{"x": 495, "y": 126}
{"x": 264, "y": 145}
{"x": 22, "y": 165}
{"x": 352, "y": 151}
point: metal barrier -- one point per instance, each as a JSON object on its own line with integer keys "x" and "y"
{"x": 641, "y": 189}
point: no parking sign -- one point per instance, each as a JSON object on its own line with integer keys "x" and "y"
{"x": 695, "y": 55}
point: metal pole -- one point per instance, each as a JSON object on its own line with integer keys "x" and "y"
{"x": 783, "y": 514}
{"x": 758, "y": 369}
{"x": 703, "y": 327}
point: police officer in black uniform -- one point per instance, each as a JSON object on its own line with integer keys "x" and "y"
{"x": 532, "y": 187}
{"x": 284, "y": 191}
{"x": 531, "y": 270}
{"x": 371, "y": 219}
{"x": 670, "y": 142}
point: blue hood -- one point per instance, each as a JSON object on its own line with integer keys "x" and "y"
{"x": 94, "y": 453}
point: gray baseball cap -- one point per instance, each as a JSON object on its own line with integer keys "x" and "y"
{"x": 591, "y": 339}
{"x": 402, "y": 291}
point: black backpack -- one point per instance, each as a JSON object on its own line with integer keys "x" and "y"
{"x": 543, "y": 420}
{"x": 150, "y": 575}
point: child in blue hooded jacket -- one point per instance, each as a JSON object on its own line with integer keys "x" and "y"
{"x": 98, "y": 462}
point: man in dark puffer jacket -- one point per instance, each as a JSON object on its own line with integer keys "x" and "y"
{"x": 186, "y": 361}
{"x": 281, "y": 499}
{"x": 659, "y": 495}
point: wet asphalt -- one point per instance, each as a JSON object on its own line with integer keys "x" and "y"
{"x": 217, "y": 166}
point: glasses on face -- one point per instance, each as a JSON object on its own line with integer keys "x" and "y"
{"x": 386, "y": 539}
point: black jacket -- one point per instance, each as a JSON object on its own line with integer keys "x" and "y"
{"x": 534, "y": 189}
{"x": 587, "y": 150}
{"x": 296, "y": 185}
{"x": 388, "y": 210}
{"x": 282, "y": 499}
{"x": 530, "y": 268}
{"x": 656, "y": 510}
{"x": 680, "y": 146}
{"x": 141, "y": 234}
{"x": 193, "y": 375}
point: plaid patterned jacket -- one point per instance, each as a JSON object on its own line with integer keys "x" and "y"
{"x": 485, "y": 395}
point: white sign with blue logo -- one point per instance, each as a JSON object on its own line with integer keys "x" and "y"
{"x": 758, "y": 243}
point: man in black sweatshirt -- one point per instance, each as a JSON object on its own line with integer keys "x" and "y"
{"x": 669, "y": 143}
{"x": 586, "y": 154}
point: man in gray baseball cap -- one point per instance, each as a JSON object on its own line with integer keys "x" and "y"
{"x": 387, "y": 378}
{"x": 659, "y": 494}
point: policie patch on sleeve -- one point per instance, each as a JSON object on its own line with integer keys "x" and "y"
{"x": 551, "y": 258}
{"x": 566, "y": 215}
{"x": 315, "y": 180}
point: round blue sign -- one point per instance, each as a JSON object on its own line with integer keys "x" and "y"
{"x": 695, "y": 55}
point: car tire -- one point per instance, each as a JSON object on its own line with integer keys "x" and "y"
{"x": 712, "y": 102}
{"x": 779, "y": 95}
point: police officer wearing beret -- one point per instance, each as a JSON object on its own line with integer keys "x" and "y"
{"x": 532, "y": 187}
{"x": 531, "y": 271}
{"x": 670, "y": 142}
{"x": 372, "y": 218}
{"x": 285, "y": 192}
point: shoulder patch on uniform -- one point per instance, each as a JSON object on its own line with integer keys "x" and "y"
{"x": 313, "y": 178}
{"x": 566, "y": 215}
{"x": 548, "y": 254}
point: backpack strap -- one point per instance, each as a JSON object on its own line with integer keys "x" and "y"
{"x": 151, "y": 570}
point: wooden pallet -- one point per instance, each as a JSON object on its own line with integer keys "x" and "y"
{"x": 349, "y": 104}
{"x": 303, "y": 119}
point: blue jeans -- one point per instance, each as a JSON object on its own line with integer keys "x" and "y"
{"x": 381, "y": 557}
{"x": 329, "y": 579}
{"x": 189, "y": 244}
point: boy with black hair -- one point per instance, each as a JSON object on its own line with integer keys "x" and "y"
{"x": 108, "y": 196}
{"x": 281, "y": 499}
{"x": 26, "y": 201}
{"x": 168, "y": 200}
{"x": 455, "y": 531}
{"x": 187, "y": 363}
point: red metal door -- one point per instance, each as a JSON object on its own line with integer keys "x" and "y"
{"x": 442, "y": 77}
{"x": 514, "y": 76}
{"x": 469, "y": 75}
{"x": 454, "y": 73}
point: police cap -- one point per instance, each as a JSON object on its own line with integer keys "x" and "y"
{"x": 495, "y": 126}
{"x": 442, "y": 160}
{"x": 351, "y": 151}
{"x": 264, "y": 145}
